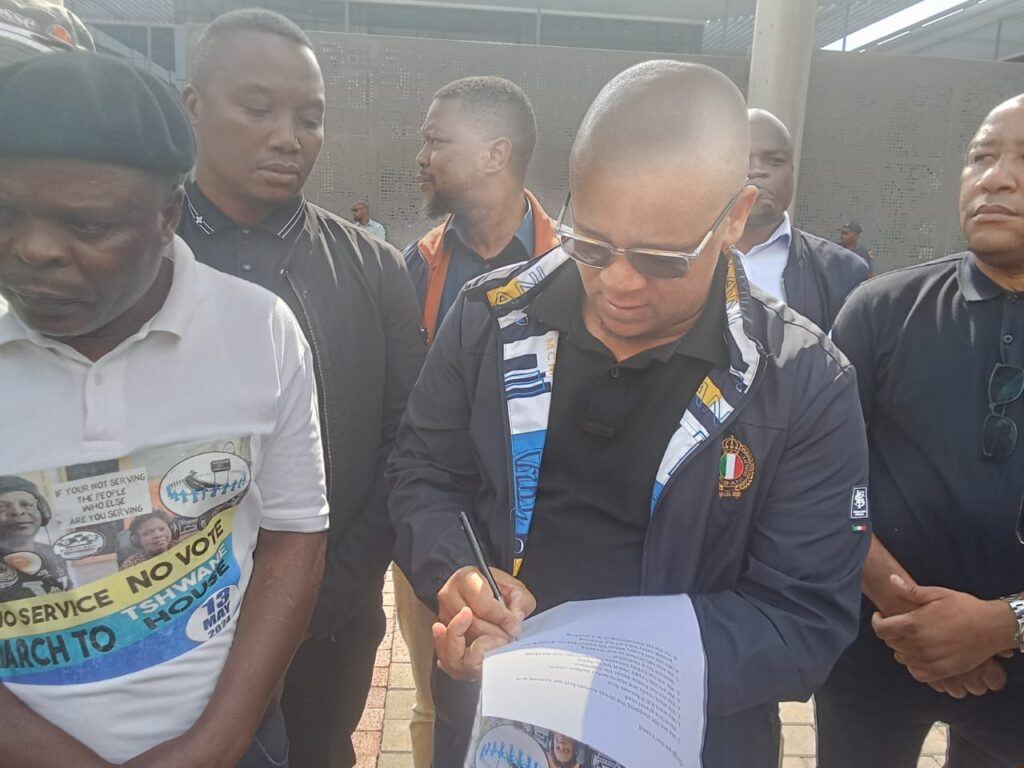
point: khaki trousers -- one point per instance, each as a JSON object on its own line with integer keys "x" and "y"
{"x": 414, "y": 622}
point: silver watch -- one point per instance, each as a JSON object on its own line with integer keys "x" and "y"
{"x": 1016, "y": 603}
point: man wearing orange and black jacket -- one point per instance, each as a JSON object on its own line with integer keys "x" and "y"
{"x": 478, "y": 138}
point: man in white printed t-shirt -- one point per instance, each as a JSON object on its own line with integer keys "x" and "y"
{"x": 135, "y": 380}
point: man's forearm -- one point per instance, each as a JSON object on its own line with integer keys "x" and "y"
{"x": 28, "y": 740}
{"x": 275, "y": 613}
{"x": 878, "y": 567}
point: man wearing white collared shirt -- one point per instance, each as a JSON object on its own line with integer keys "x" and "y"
{"x": 136, "y": 379}
{"x": 812, "y": 275}
{"x": 765, "y": 262}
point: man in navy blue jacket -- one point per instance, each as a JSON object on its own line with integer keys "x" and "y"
{"x": 807, "y": 272}
{"x": 622, "y": 417}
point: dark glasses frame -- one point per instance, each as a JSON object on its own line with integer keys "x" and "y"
{"x": 642, "y": 259}
{"x": 999, "y": 432}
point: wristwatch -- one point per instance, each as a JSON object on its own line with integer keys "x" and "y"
{"x": 1016, "y": 603}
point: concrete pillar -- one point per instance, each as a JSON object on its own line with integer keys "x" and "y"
{"x": 780, "y": 63}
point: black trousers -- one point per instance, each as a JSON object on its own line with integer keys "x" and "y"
{"x": 454, "y": 710}
{"x": 871, "y": 712}
{"x": 325, "y": 690}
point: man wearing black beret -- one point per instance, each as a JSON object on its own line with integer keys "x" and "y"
{"x": 130, "y": 371}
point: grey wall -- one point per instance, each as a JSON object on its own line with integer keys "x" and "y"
{"x": 884, "y": 144}
{"x": 883, "y": 141}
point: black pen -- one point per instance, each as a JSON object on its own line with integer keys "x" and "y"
{"x": 478, "y": 553}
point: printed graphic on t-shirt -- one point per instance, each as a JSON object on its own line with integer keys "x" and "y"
{"x": 112, "y": 567}
{"x": 510, "y": 744}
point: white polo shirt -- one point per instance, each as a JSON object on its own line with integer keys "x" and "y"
{"x": 765, "y": 262}
{"x": 207, "y": 414}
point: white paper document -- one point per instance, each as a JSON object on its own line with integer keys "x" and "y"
{"x": 616, "y": 683}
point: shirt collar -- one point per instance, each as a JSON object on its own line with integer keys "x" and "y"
{"x": 11, "y": 328}
{"x": 782, "y": 236}
{"x": 173, "y": 317}
{"x": 179, "y": 306}
{"x": 284, "y": 222}
{"x": 560, "y": 305}
{"x": 524, "y": 234}
{"x": 975, "y": 285}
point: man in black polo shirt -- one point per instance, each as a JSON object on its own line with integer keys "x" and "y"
{"x": 623, "y": 416}
{"x": 256, "y": 102}
{"x": 939, "y": 350}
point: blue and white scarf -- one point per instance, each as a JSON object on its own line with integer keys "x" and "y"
{"x": 529, "y": 351}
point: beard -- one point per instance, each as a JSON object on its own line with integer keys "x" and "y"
{"x": 437, "y": 205}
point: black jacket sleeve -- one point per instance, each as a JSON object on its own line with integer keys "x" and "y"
{"x": 354, "y": 567}
{"x": 432, "y": 474}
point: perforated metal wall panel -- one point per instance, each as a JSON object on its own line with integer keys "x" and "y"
{"x": 379, "y": 89}
{"x": 884, "y": 143}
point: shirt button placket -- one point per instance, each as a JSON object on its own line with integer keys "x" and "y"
{"x": 243, "y": 237}
{"x": 1013, "y": 317}
{"x": 94, "y": 405}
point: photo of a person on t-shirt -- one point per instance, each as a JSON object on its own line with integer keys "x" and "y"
{"x": 28, "y": 567}
{"x": 151, "y": 535}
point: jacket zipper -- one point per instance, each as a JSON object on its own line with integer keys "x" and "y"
{"x": 721, "y": 428}
{"x": 322, "y": 395}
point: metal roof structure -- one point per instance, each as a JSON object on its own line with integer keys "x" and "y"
{"x": 974, "y": 29}
{"x": 124, "y": 11}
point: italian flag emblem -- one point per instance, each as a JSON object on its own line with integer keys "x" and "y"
{"x": 735, "y": 468}
{"x": 731, "y": 466}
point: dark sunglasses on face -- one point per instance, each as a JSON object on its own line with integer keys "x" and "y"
{"x": 999, "y": 433}
{"x": 653, "y": 263}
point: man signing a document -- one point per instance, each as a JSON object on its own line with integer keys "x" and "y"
{"x": 623, "y": 416}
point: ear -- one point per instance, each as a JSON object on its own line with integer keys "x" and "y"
{"x": 170, "y": 214}
{"x": 190, "y": 98}
{"x": 499, "y": 155}
{"x": 736, "y": 220}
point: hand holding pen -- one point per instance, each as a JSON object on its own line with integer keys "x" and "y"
{"x": 480, "y": 608}
{"x": 481, "y": 561}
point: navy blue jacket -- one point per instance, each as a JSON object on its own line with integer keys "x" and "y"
{"x": 771, "y": 558}
{"x": 818, "y": 277}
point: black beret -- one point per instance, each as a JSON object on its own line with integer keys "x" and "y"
{"x": 88, "y": 106}
{"x": 11, "y": 483}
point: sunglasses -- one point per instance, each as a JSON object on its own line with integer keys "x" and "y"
{"x": 650, "y": 262}
{"x": 999, "y": 433}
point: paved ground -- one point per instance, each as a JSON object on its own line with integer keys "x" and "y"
{"x": 383, "y": 737}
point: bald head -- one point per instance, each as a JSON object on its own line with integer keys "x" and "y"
{"x": 767, "y": 124}
{"x": 659, "y": 163}
{"x": 666, "y": 117}
{"x": 1013, "y": 103}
